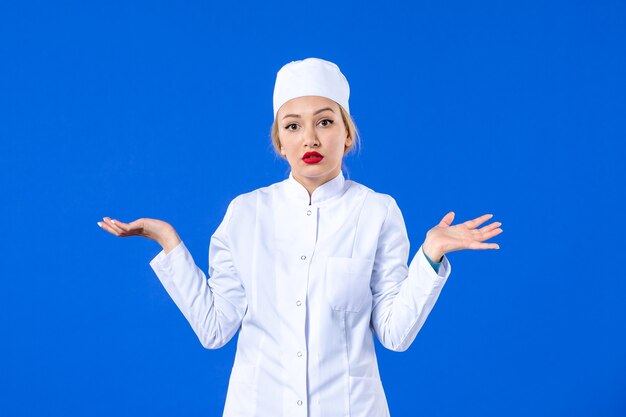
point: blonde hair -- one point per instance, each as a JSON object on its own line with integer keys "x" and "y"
{"x": 347, "y": 121}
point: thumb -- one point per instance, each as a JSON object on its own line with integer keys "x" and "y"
{"x": 447, "y": 219}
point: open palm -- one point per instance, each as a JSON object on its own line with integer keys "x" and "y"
{"x": 445, "y": 237}
{"x": 155, "y": 229}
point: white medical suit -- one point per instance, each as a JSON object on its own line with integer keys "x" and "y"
{"x": 308, "y": 281}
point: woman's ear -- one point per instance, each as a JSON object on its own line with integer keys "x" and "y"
{"x": 282, "y": 152}
{"x": 348, "y": 140}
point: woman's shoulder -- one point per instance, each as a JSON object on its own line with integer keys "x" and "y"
{"x": 250, "y": 198}
{"x": 371, "y": 196}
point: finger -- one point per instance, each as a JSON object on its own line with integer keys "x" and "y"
{"x": 471, "y": 224}
{"x": 106, "y": 226}
{"x": 487, "y": 232}
{"x": 488, "y": 235}
{"x": 112, "y": 224}
{"x": 134, "y": 228}
{"x": 489, "y": 227}
{"x": 480, "y": 246}
{"x": 447, "y": 219}
{"x": 121, "y": 225}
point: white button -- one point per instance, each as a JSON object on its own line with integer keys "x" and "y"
{"x": 299, "y": 402}
{"x": 298, "y": 303}
{"x": 303, "y": 257}
{"x": 299, "y": 354}
{"x": 308, "y": 212}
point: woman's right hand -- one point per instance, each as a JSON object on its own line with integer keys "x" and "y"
{"x": 157, "y": 230}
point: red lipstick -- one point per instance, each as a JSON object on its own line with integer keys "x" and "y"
{"x": 312, "y": 158}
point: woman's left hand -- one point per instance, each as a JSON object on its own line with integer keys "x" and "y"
{"x": 445, "y": 238}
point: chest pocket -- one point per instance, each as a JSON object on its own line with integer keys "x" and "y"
{"x": 347, "y": 283}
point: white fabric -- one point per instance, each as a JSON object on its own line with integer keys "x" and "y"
{"x": 308, "y": 282}
{"x": 311, "y": 77}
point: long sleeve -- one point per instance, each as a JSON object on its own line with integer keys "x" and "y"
{"x": 215, "y": 307}
{"x": 402, "y": 296}
{"x": 435, "y": 265}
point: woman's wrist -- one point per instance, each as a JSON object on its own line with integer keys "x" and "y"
{"x": 435, "y": 255}
{"x": 169, "y": 240}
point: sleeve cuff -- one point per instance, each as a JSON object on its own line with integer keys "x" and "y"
{"x": 439, "y": 270}
{"x": 164, "y": 260}
{"x": 435, "y": 265}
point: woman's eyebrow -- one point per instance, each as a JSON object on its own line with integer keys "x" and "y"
{"x": 324, "y": 109}
{"x": 317, "y": 112}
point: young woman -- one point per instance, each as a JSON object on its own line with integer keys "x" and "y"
{"x": 310, "y": 268}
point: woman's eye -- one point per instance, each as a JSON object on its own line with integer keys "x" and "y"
{"x": 326, "y": 122}
{"x": 291, "y": 126}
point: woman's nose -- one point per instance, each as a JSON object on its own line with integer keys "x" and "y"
{"x": 310, "y": 138}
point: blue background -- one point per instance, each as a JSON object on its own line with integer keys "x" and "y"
{"x": 157, "y": 109}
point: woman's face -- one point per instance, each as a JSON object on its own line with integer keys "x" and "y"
{"x": 313, "y": 139}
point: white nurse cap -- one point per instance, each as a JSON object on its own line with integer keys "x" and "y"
{"x": 310, "y": 77}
